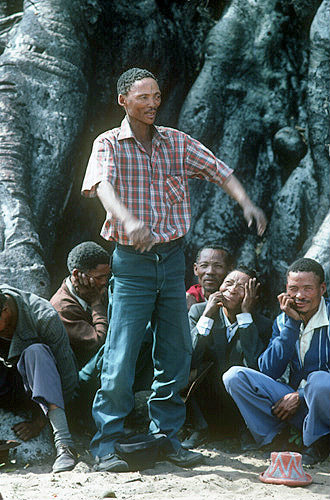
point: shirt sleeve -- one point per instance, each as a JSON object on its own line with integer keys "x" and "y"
{"x": 203, "y": 164}
{"x": 83, "y": 335}
{"x": 244, "y": 319}
{"x": 204, "y": 325}
{"x": 282, "y": 346}
{"x": 101, "y": 167}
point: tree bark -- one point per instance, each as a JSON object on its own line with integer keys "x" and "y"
{"x": 43, "y": 91}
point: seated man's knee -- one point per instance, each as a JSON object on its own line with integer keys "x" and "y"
{"x": 318, "y": 383}
{"x": 232, "y": 377}
{"x": 34, "y": 351}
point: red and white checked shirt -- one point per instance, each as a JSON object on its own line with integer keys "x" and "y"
{"x": 154, "y": 189}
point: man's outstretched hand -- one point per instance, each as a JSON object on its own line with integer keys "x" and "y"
{"x": 251, "y": 213}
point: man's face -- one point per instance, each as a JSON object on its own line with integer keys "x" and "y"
{"x": 233, "y": 289}
{"x": 100, "y": 275}
{"x": 211, "y": 269}
{"x": 142, "y": 101}
{"x": 306, "y": 291}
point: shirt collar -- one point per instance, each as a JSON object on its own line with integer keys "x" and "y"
{"x": 319, "y": 319}
{"x": 127, "y": 133}
{"x": 227, "y": 322}
{"x": 81, "y": 301}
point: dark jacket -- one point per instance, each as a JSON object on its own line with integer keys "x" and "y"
{"x": 244, "y": 348}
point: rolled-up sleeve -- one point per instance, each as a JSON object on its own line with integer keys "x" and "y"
{"x": 100, "y": 167}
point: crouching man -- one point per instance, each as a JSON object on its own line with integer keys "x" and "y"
{"x": 37, "y": 359}
{"x": 300, "y": 341}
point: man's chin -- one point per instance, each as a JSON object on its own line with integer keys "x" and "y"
{"x": 210, "y": 287}
{"x": 149, "y": 119}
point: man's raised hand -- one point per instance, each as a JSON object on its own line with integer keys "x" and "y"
{"x": 251, "y": 295}
{"x": 287, "y": 306}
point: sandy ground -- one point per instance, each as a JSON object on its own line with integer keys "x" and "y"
{"x": 225, "y": 475}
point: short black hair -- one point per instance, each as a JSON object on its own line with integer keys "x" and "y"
{"x": 87, "y": 255}
{"x": 306, "y": 265}
{"x": 216, "y": 246}
{"x": 3, "y": 300}
{"x": 246, "y": 270}
{"x": 126, "y": 79}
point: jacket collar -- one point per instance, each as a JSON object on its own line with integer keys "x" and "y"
{"x": 319, "y": 319}
{"x": 81, "y": 301}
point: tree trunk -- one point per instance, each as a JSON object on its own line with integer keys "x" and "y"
{"x": 43, "y": 91}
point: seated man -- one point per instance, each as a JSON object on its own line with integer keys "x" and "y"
{"x": 301, "y": 340}
{"x": 213, "y": 263}
{"x": 81, "y": 300}
{"x": 81, "y": 303}
{"x": 36, "y": 357}
{"x": 227, "y": 331}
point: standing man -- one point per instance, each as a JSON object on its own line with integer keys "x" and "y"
{"x": 212, "y": 264}
{"x": 301, "y": 341}
{"x": 140, "y": 173}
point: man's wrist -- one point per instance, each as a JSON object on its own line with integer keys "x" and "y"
{"x": 210, "y": 313}
{"x": 96, "y": 302}
{"x": 293, "y": 322}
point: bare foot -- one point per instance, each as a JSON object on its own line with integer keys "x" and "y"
{"x": 30, "y": 429}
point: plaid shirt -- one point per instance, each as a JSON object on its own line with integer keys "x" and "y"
{"x": 154, "y": 189}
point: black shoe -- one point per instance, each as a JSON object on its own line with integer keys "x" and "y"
{"x": 317, "y": 451}
{"x": 110, "y": 463}
{"x": 66, "y": 458}
{"x": 197, "y": 438}
{"x": 185, "y": 458}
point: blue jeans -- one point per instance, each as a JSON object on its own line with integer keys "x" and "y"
{"x": 147, "y": 287}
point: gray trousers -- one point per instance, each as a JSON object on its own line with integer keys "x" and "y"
{"x": 41, "y": 379}
{"x": 255, "y": 393}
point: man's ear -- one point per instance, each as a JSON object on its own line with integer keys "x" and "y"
{"x": 121, "y": 100}
{"x": 75, "y": 272}
{"x": 195, "y": 269}
{"x": 323, "y": 288}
